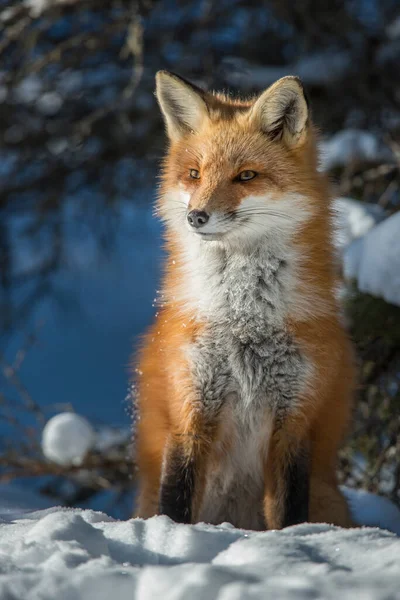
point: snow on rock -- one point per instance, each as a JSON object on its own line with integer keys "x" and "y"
{"x": 355, "y": 219}
{"x": 66, "y": 438}
{"x": 82, "y": 554}
{"x": 372, "y": 510}
{"x": 352, "y": 256}
{"x": 369, "y": 244}
{"x": 374, "y": 260}
{"x": 352, "y": 145}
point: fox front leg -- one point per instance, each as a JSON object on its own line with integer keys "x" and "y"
{"x": 177, "y": 482}
{"x": 287, "y": 489}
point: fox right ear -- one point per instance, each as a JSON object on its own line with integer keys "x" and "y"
{"x": 182, "y": 104}
{"x": 282, "y": 111}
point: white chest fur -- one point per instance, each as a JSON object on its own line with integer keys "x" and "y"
{"x": 245, "y": 365}
{"x": 249, "y": 287}
{"x": 247, "y": 371}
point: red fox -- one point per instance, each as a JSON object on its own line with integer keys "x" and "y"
{"x": 246, "y": 377}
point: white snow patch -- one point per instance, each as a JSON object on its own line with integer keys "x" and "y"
{"x": 355, "y": 219}
{"x": 67, "y": 438}
{"x": 372, "y": 510}
{"x": 352, "y": 145}
{"x": 352, "y": 257}
{"x": 369, "y": 244}
{"x": 374, "y": 260}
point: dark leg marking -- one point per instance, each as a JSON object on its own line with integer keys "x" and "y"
{"x": 177, "y": 485}
{"x": 296, "y": 509}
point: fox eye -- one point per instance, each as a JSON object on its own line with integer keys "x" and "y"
{"x": 194, "y": 174}
{"x": 246, "y": 175}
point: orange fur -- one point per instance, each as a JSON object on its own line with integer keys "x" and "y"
{"x": 225, "y": 144}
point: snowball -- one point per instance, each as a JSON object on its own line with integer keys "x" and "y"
{"x": 66, "y": 439}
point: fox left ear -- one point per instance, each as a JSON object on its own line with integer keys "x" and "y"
{"x": 282, "y": 111}
{"x": 182, "y": 104}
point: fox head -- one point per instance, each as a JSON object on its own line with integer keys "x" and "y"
{"x": 236, "y": 169}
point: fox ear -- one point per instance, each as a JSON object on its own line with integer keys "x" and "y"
{"x": 182, "y": 104}
{"x": 282, "y": 111}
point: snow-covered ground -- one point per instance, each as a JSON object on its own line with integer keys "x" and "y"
{"x": 73, "y": 554}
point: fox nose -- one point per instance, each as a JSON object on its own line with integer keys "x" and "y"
{"x": 197, "y": 218}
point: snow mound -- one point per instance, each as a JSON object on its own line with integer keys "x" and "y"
{"x": 82, "y": 554}
{"x": 67, "y": 438}
{"x": 374, "y": 260}
{"x": 74, "y": 554}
